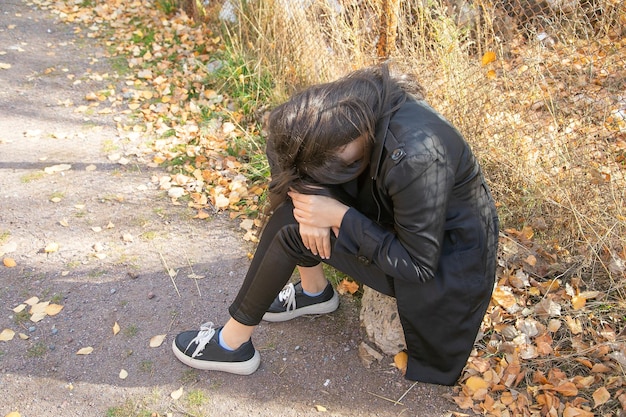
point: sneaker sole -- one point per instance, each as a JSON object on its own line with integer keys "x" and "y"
{"x": 321, "y": 308}
{"x": 239, "y": 368}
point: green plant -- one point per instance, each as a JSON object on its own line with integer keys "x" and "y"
{"x": 4, "y": 235}
{"x": 36, "y": 350}
{"x": 168, "y": 7}
{"x": 146, "y": 366}
{"x": 131, "y": 331}
{"x": 32, "y": 176}
{"x": 21, "y": 317}
{"x": 196, "y": 398}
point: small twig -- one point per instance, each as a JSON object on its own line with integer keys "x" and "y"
{"x": 169, "y": 273}
{"x": 405, "y": 393}
{"x": 193, "y": 274}
{"x": 385, "y": 398}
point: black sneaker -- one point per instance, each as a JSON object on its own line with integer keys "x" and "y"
{"x": 292, "y": 302}
{"x": 201, "y": 350}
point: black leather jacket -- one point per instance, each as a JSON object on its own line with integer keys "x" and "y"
{"x": 425, "y": 217}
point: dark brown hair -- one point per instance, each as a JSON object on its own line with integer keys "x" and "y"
{"x": 307, "y": 131}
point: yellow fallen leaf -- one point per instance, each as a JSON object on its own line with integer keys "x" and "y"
{"x": 39, "y": 307}
{"x": 51, "y": 247}
{"x": 6, "y": 335}
{"x": 157, "y": 340}
{"x": 491, "y": 74}
{"x": 4, "y": 66}
{"x": 85, "y": 351}
{"x": 321, "y": 408}
{"x": 13, "y": 414}
{"x": 401, "y": 361}
{"x": 9, "y": 262}
{"x": 123, "y": 374}
{"x": 38, "y": 316}
{"x": 578, "y": 302}
{"x": 23, "y": 336}
{"x": 32, "y": 301}
{"x": 116, "y": 329}
{"x": 19, "y": 308}
{"x": 475, "y": 383}
{"x": 177, "y": 394}
{"x": 53, "y": 309}
{"x": 488, "y": 57}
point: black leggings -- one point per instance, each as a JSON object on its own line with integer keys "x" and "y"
{"x": 279, "y": 251}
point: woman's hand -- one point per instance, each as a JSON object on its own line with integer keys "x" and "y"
{"x": 316, "y": 239}
{"x": 317, "y": 215}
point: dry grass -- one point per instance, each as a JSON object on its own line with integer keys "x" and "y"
{"x": 545, "y": 118}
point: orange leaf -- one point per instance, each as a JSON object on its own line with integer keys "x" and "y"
{"x": 567, "y": 389}
{"x": 600, "y": 396}
{"x": 53, "y": 309}
{"x": 576, "y": 412}
{"x": 401, "y": 361}
{"x": 578, "y": 302}
{"x": 531, "y": 260}
{"x": 346, "y": 286}
{"x": 475, "y": 383}
{"x": 488, "y": 57}
{"x": 9, "y": 262}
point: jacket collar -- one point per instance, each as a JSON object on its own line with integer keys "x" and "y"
{"x": 379, "y": 145}
{"x": 383, "y": 140}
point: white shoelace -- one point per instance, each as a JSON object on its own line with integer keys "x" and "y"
{"x": 202, "y": 338}
{"x": 288, "y": 297}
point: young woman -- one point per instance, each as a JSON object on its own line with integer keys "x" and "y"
{"x": 369, "y": 179}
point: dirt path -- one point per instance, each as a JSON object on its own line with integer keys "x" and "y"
{"x": 115, "y": 231}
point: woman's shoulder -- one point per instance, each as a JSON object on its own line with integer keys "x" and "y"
{"x": 419, "y": 129}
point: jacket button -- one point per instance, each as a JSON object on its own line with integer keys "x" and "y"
{"x": 363, "y": 259}
{"x": 397, "y": 154}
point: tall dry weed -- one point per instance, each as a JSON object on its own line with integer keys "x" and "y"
{"x": 546, "y": 116}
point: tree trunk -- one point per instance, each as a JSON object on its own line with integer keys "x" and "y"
{"x": 190, "y": 7}
{"x": 388, "y": 28}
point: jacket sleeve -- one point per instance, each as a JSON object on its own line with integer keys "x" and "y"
{"x": 418, "y": 188}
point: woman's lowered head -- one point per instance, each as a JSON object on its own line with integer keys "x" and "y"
{"x": 324, "y": 134}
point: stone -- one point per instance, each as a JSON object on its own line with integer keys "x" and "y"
{"x": 379, "y": 316}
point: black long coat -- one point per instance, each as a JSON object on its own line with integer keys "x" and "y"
{"x": 425, "y": 217}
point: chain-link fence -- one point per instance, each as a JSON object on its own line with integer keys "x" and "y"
{"x": 537, "y": 87}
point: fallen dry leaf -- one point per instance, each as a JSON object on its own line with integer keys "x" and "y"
{"x": 601, "y": 396}
{"x": 32, "y": 301}
{"x": 20, "y": 308}
{"x": 51, "y": 247}
{"x": 401, "y": 361}
{"x": 116, "y": 329}
{"x": 177, "y": 394}
{"x": 488, "y": 57}
{"x": 157, "y": 340}
{"x": 9, "y": 262}
{"x": 6, "y": 335}
{"x": 57, "y": 168}
{"x": 85, "y": 351}
{"x": 347, "y": 286}
{"x": 320, "y": 408}
{"x": 13, "y": 414}
{"x": 53, "y": 309}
